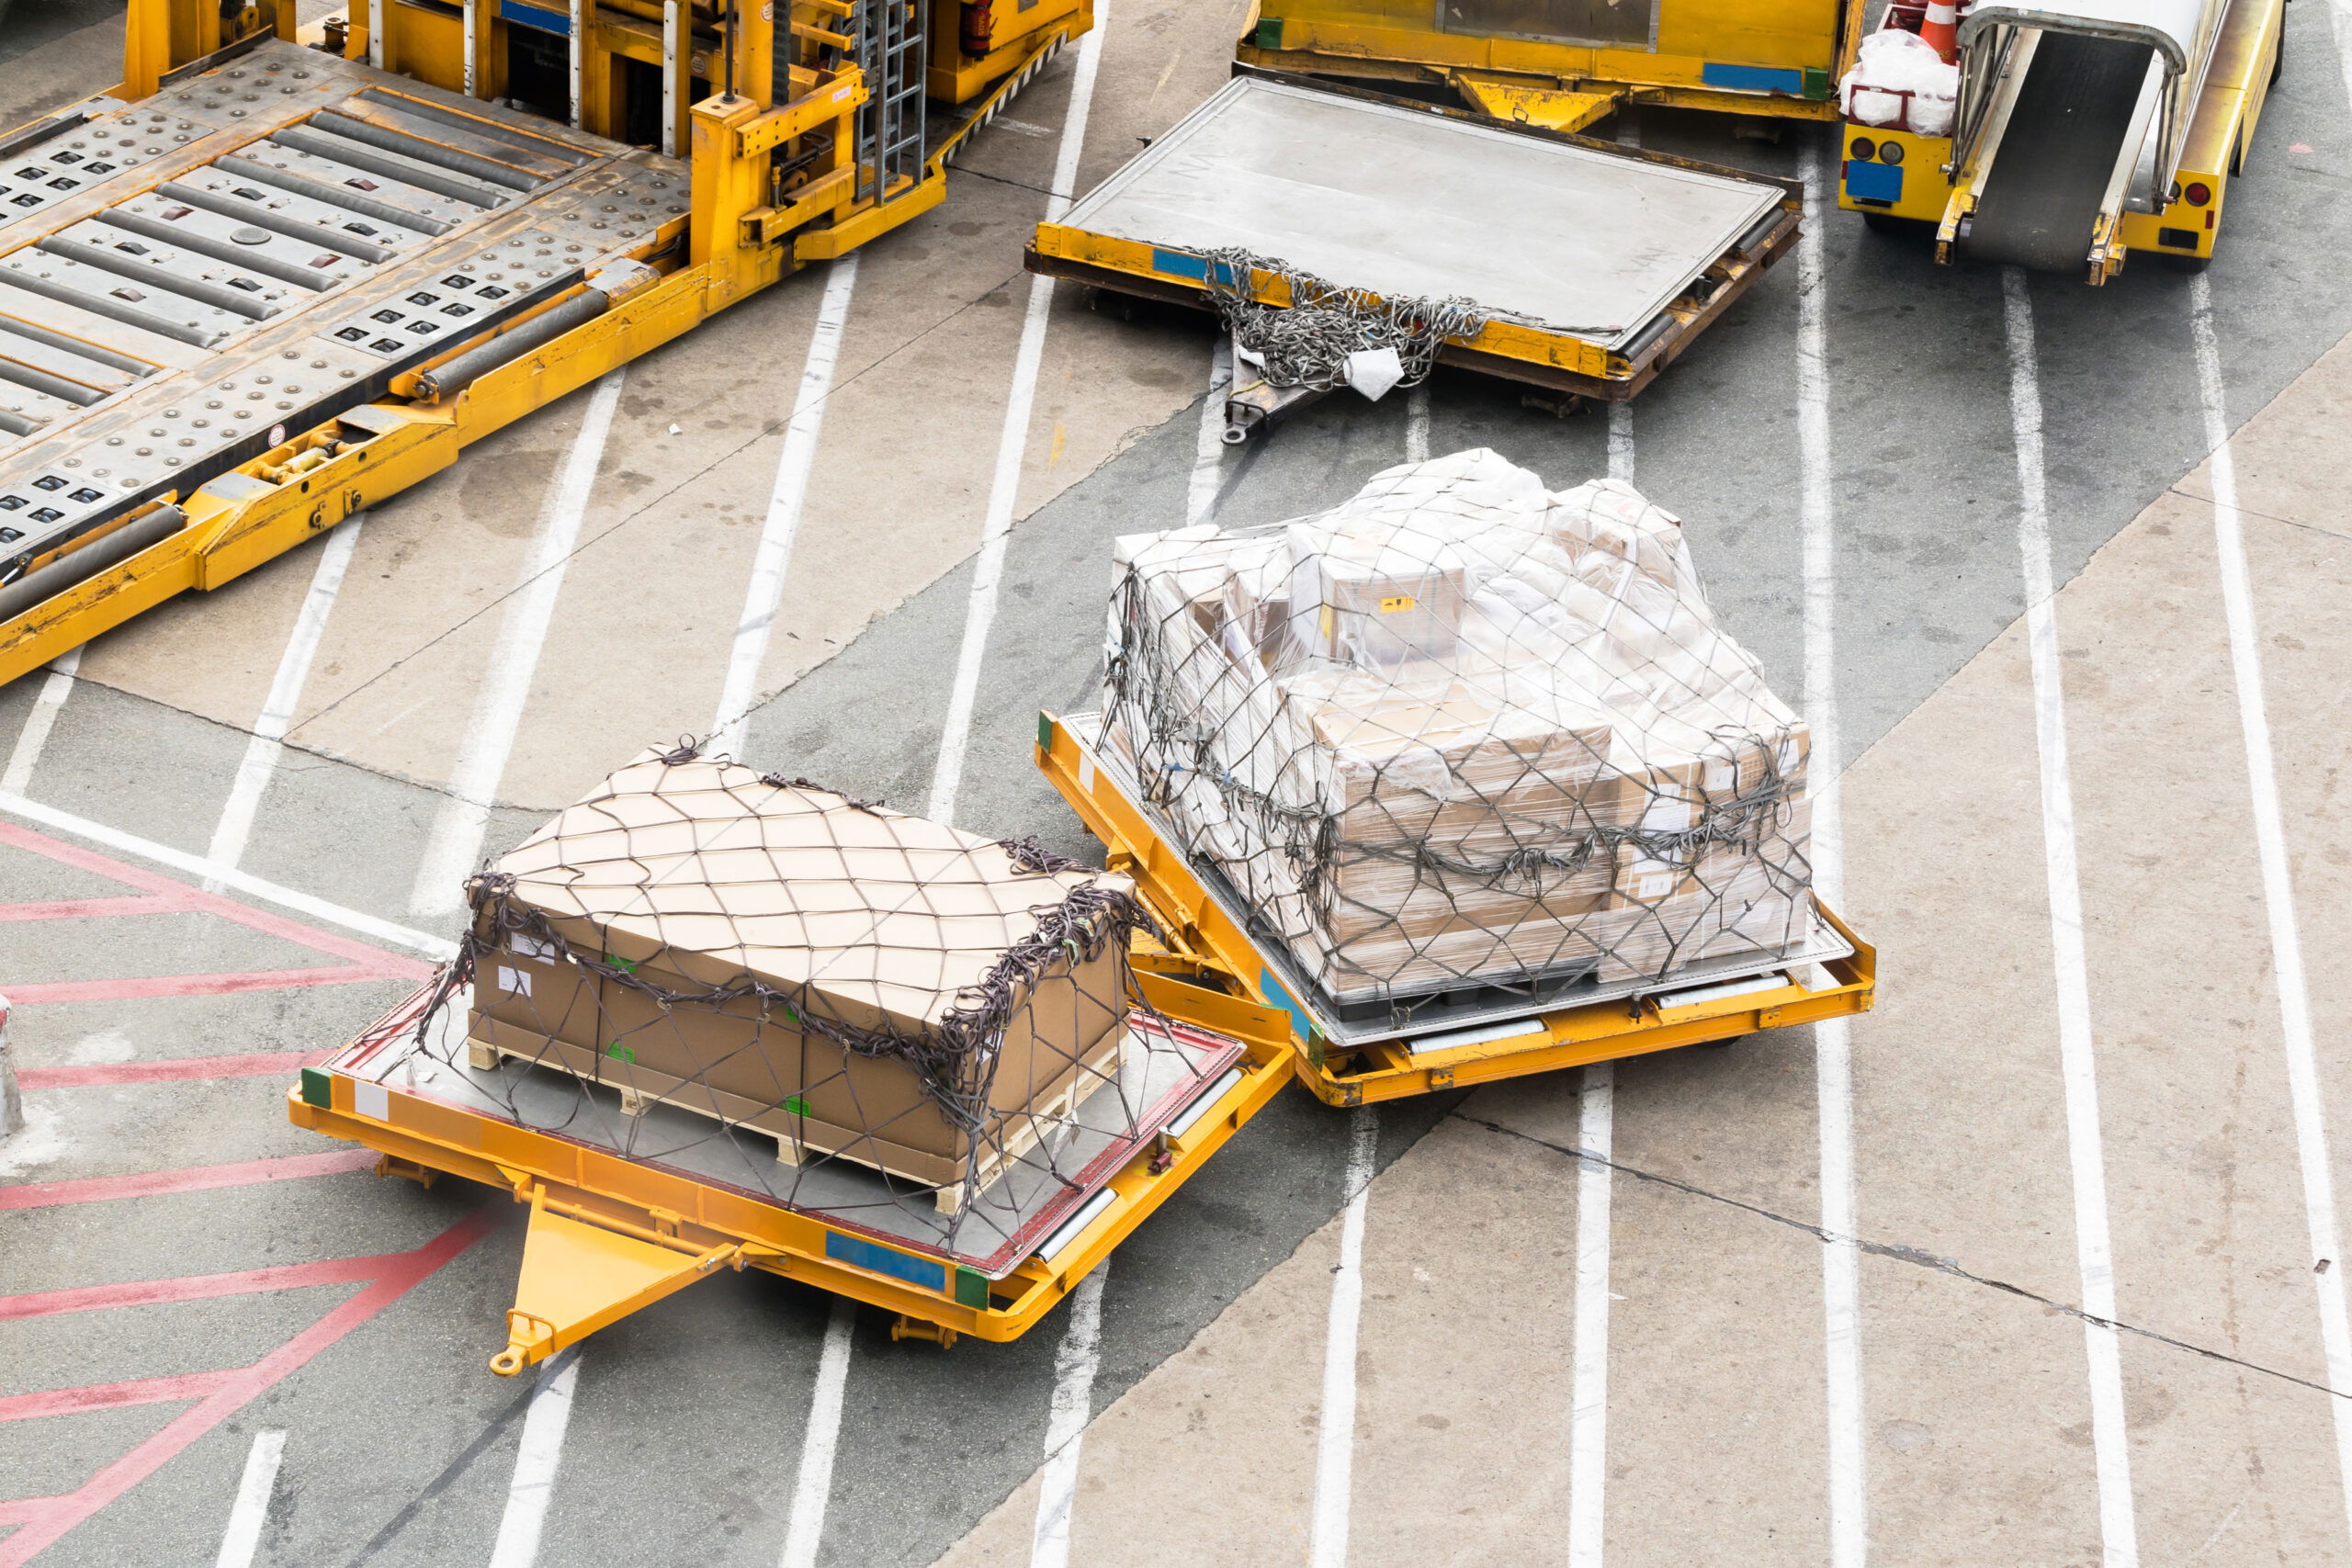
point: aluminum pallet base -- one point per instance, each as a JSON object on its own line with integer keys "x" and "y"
{"x": 188, "y": 280}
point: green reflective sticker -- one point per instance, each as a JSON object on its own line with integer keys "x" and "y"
{"x": 1044, "y": 731}
{"x": 1270, "y": 32}
{"x": 623, "y": 964}
{"x": 318, "y": 1089}
{"x": 620, "y": 1052}
{"x": 971, "y": 1290}
{"x": 1816, "y": 82}
{"x": 797, "y": 1106}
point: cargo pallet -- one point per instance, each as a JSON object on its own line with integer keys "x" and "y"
{"x": 610, "y": 1233}
{"x": 1206, "y": 927}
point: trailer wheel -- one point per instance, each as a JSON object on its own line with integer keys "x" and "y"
{"x": 1897, "y": 227}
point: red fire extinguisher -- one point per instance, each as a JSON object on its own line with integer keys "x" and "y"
{"x": 979, "y": 29}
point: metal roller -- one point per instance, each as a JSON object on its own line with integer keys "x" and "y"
{"x": 2073, "y": 114}
{"x": 89, "y": 560}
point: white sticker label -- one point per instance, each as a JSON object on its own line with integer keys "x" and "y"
{"x": 526, "y": 946}
{"x": 513, "y": 980}
{"x": 278, "y": 435}
{"x": 371, "y": 1100}
{"x": 1085, "y": 773}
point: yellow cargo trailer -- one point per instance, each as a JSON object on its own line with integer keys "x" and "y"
{"x": 1564, "y": 64}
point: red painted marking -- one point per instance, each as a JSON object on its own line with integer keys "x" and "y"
{"x": 110, "y": 1396}
{"x": 47, "y": 1518}
{"x": 192, "y": 985}
{"x": 92, "y": 909}
{"x": 179, "y": 1069}
{"x": 194, "y": 1287}
{"x": 366, "y": 963}
{"x": 194, "y": 1179}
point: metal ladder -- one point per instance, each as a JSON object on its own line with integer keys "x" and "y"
{"x": 890, "y": 50}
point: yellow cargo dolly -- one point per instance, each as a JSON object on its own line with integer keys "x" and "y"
{"x": 610, "y": 1233}
{"x": 1564, "y": 65}
{"x": 1205, "y": 928}
{"x": 354, "y": 235}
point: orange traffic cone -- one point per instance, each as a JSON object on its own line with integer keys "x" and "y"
{"x": 1940, "y": 28}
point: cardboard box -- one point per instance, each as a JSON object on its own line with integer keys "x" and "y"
{"x": 735, "y": 929}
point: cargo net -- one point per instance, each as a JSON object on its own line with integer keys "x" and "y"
{"x": 1329, "y": 335}
{"x": 747, "y": 977}
{"x": 1461, "y": 733}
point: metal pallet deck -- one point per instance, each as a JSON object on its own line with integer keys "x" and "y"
{"x": 260, "y": 247}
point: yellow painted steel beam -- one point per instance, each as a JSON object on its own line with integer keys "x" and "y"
{"x": 1525, "y": 103}
{"x": 1201, "y": 933}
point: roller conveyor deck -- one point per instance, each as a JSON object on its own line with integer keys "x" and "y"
{"x": 258, "y": 248}
{"x": 2072, "y": 117}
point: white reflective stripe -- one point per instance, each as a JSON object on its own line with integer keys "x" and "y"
{"x": 1069, "y": 1230}
{"x": 1204, "y": 1102}
{"x": 1477, "y": 1034}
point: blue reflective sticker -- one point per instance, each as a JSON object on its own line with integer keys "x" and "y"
{"x": 1751, "y": 78}
{"x": 1873, "y": 182}
{"x": 931, "y": 1274}
{"x": 1301, "y": 1025}
{"x": 1177, "y": 264}
{"x": 537, "y": 17}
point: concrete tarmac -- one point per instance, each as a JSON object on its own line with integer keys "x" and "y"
{"x": 1980, "y": 1439}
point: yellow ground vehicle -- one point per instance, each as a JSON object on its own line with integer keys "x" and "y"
{"x": 1567, "y": 63}
{"x": 2077, "y": 140}
{"x": 611, "y": 1232}
{"x": 1455, "y": 1043}
{"x": 268, "y": 282}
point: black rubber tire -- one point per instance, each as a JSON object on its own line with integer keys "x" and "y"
{"x": 1899, "y": 227}
{"x": 2187, "y": 265}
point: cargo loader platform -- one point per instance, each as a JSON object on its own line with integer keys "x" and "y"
{"x": 1594, "y": 265}
{"x": 1448, "y": 1040}
{"x": 629, "y": 1204}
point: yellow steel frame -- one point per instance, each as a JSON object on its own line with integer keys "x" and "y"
{"x": 1773, "y": 58}
{"x": 610, "y": 1235}
{"x": 2237, "y": 86}
{"x": 743, "y": 236}
{"x": 1199, "y": 931}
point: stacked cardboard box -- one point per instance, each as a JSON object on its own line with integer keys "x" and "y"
{"x": 1461, "y": 729}
{"x": 853, "y": 980}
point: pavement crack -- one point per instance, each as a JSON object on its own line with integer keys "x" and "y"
{"x": 1917, "y": 1256}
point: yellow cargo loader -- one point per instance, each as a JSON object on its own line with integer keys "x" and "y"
{"x": 270, "y": 280}
{"x": 1564, "y": 65}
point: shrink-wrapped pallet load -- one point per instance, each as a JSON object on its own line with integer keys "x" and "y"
{"x": 1461, "y": 730}
{"x": 855, "y": 982}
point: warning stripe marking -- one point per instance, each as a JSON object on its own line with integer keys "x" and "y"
{"x": 189, "y": 1178}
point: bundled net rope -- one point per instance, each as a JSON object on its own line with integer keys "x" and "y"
{"x": 1308, "y": 343}
{"x": 810, "y": 995}
{"x": 1462, "y": 731}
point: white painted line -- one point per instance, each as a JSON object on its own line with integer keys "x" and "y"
{"x": 2339, "y": 18}
{"x": 1074, "y": 1365}
{"x": 268, "y": 744}
{"x": 1831, "y": 1051}
{"x": 242, "y": 1540}
{"x": 1588, "y": 1422}
{"x": 536, "y": 1461}
{"x": 813, "y": 1491}
{"x": 33, "y": 738}
{"x": 1417, "y": 424}
{"x": 2093, "y": 1250}
{"x": 1208, "y": 454}
{"x": 765, "y": 594}
{"x": 455, "y": 841}
{"x": 2278, "y": 890}
{"x": 1335, "y": 1446}
{"x": 1013, "y": 445}
{"x": 229, "y": 878}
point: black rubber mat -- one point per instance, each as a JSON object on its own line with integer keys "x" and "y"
{"x": 2063, "y": 137}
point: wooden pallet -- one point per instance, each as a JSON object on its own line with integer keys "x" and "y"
{"x": 799, "y": 1135}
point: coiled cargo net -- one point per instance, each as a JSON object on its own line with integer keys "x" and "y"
{"x": 813, "y": 997}
{"x": 1308, "y": 343}
{"x": 1461, "y": 732}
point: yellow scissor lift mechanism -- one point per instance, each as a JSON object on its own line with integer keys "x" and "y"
{"x": 1564, "y": 65}
{"x": 1206, "y": 932}
{"x": 762, "y": 103}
